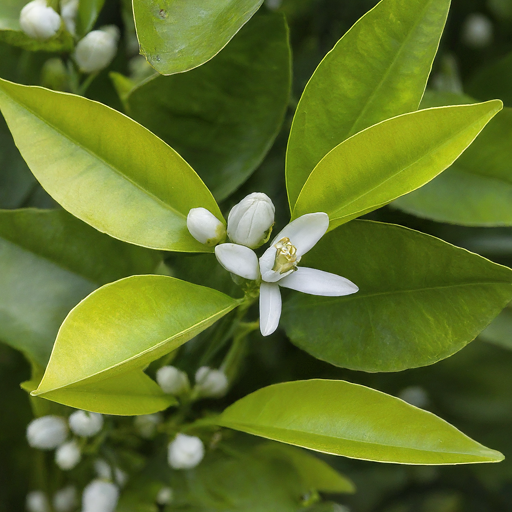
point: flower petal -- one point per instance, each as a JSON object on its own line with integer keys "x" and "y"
{"x": 305, "y": 231}
{"x": 318, "y": 282}
{"x": 267, "y": 263}
{"x": 270, "y": 308}
{"x": 239, "y": 260}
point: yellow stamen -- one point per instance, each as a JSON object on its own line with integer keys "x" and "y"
{"x": 286, "y": 256}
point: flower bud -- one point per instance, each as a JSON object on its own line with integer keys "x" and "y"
{"x": 250, "y": 221}
{"x": 205, "y": 227}
{"x": 104, "y": 471}
{"x": 211, "y": 383}
{"x": 414, "y": 395}
{"x": 165, "y": 496}
{"x": 85, "y": 424}
{"x": 68, "y": 455}
{"x": 100, "y": 496}
{"x": 273, "y": 5}
{"x": 39, "y": 21}
{"x": 477, "y": 31}
{"x": 96, "y": 50}
{"x": 37, "y": 502}
{"x": 172, "y": 381}
{"x": 47, "y": 432}
{"x": 69, "y": 11}
{"x": 54, "y": 75}
{"x": 65, "y": 499}
{"x": 146, "y": 424}
{"x": 185, "y": 452}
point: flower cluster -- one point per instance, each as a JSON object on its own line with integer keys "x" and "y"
{"x": 249, "y": 226}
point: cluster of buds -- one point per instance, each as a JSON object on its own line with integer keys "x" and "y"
{"x": 64, "y": 500}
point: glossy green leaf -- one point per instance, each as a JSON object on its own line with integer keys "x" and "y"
{"x": 390, "y": 159}
{"x": 44, "y": 275}
{"x": 10, "y": 14}
{"x": 420, "y": 299}
{"x": 106, "y": 169}
{"x": 119, "y": 329}
{"x": 177, "y": 36}
{"x": 224, "y": 116}
{"x": 347, "y": 419}
{"x": 477, "y": 189}
{"x": 315, "y": 473}
{"x": 499, "y": 332}
{"x": 378, "y": 70}
{"x": 88, "y": 12}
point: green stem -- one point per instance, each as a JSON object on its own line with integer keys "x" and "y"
{"x": 86, "y": 83}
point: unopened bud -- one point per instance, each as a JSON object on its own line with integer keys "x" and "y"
{"x": 250, "y": 221}
{"x": 477, "y": 31}
{"x": 205, "y": 227}
{"x": 68, "y": 455}
{"x": 69, "y": 11}
{"x": 47, "y": 432}
{"x": 185, "y": 452}
{"x": 104, "y": 471}
{"x": 39, "y": 21}
{"x": 100, "y": 496}
{"x": 37, "y": 502}
{"x": 211, "y": 383}
{"x": 414, "y": 395}
{"x": 65, "y": 499}
{"x": 172, "y": 380}
{"x": 54, "y": 75}
{"x": 273, "y": 5}
{"x": 85, "y": 424}
{"x": 146, "y": 424}
{"x": 96, "y": 50}
{"x": 165, "y": 496}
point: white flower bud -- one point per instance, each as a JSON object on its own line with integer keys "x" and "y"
{"x": 477, "y": 31}
{"x": 39, "y": 21}
{"x": 68, "y": 455}
{"x": 146, "y": 424}
{"x": 273, "y": 5}
{"x": 104, "y": 471}
{"x": 69, "y": 11}
{"x": 185, "y": 452}
{"x": 250, "y": 221}
{"x": 414, "y": 395}
{"x": 172, "y": 381}
{"x": 85, "y": 424}
{"x": 47, "y": 432}
{"x": 65, "y": 499}
{"x": 96, "y": 50}
{"x": 100, "y": 496}
{"x": 205, "y": 227}
{"x": 211, "y": 383}
{"x": 121, "y": 477}
{"x": 37, "y": 502}
{"x": 165, "y": 496}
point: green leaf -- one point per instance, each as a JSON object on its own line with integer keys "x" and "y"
{"x": 499, "y": 332}
{"x": 390, "y": 159}
{"x": 10, "y": 14}
{"x": 347, "y": 419}
{"x": 119, "y": 329}
{"x": 45, "y": 275}
{"x": 420, "y": 299}
{"x": 88, "y": 12}
{"x": 477, "y": 189}
{"x": 106, "y": 169}
{"x": 378, "y": 70}
{"x": 315, "y": 473}
{"x": 177, "y": 36}
{"x": 224, "y": 116}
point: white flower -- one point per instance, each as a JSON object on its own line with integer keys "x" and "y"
{"x": 210, "y": 382}
{"x": 146, "y": 424}
{"x": 65, "y": 499}
{"x": 165, "y": 496}
{"x": 39, "y": 21}
{"x": 96, "y": 50}
{"x": 85, "y": 424}
{"x": 278, "y": 267}
{"x": 68, "y": 455}
{"x": 205, "y": 227}
{"x": 250, "y": 221}
{"x": 100, "y": 496}
{"x": 172, "y": 381}
{"x": 477, "y": 31}
{"x": 47, "y": 432}
{"x": 185, "y": 452}
{"x": 37, "y": 501}
{"x": 69, "y": 11}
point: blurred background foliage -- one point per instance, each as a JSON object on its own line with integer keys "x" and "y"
{"x": 472, "y": 389}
